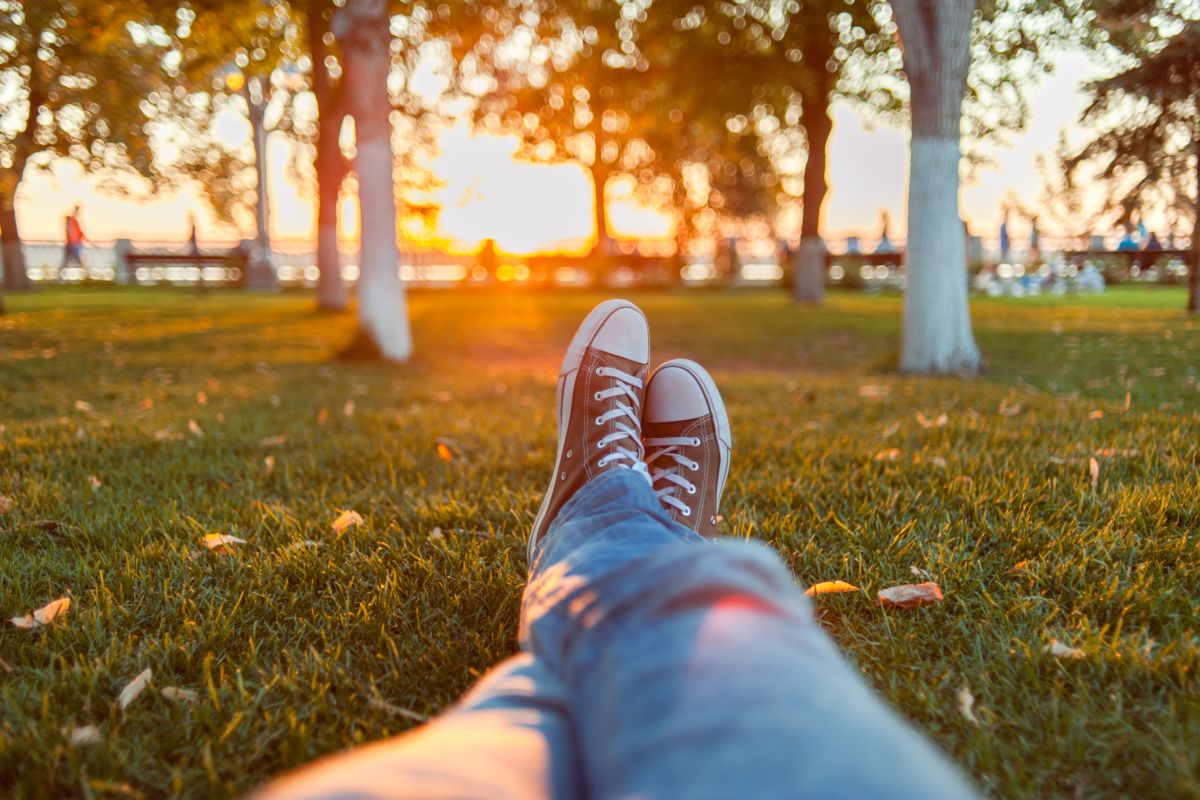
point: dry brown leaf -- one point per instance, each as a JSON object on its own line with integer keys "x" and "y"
{"x": 1097, "y": 414}
{"x": 178, "y": 695}
{"x": 348, "y": 409}
{"x": 1094, "y": 470}
{"x": 347, "y": 519}
{"x": 86, "y": 734}
{"x": 910, "y": 595}
{"x": 322, "y": 416}
{"x": 1018, "y": 568}
{"x": 95, "y": 482}
{"x": 891, "y": 454}
{"x": 966, "y": 704}
{"x": 194, "y": 427}
{"x": 146, "y": 404}
{"x": 84, "y": 406}
{"x": 44, "y": 615}
{"x": 873, "y": 391}
{"x": 830, "y": 587}
{"x": 218, "y": 541}
{"x": 1060, "y": 650}
{"x": 6, "y": 504}
{"x": 202, "y": 398}
{"x": 134, "y": 688}
{"x": 1128, "y": 400}
{"x": 926, "y": 422}
{"x": 269, "y": 463}
{"x": 272, "y": 441}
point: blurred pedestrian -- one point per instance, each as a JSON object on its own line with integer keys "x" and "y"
{"x": 1005, "y": 241}
{"x": 73, "y": 248}
{"x": 193, "y": 240}
{"x": 885, "y": 244}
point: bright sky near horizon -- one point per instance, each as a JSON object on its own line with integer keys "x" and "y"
{"x": 526, "y": 206}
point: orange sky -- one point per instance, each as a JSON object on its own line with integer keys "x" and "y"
{"x": 530, "y": 206}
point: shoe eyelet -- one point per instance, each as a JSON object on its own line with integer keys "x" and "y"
{"x": 600, "y": 371}
{"x": 695, "y": 441}
{"x": 712, "y": 520}
{"x": 691, "y": 490}
{"x": 687, "y": 512}
{"x": 597, "y": 396}
{"x": 570, "y": 453}
{"x": 695, "y": 465}
{"x": 598, "y": 422}
{"x": 562, "y": 477}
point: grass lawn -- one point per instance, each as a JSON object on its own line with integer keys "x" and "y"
{"x": 291, "y": 646}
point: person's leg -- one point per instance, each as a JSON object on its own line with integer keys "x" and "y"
{"x": 509, "y": 738}
{"x": 697, "y": 670}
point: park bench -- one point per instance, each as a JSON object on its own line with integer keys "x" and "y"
{"x": 853, "y": 266}
{"x": 1128, "y": 259}
{"x": 210, "y": 268}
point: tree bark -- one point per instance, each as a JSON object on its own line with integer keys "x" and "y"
{"x": 600, "y": 177}
{"x": 328, "y": 164}
{"x": 260, "y": 266}
{"x": 1193, "y": 305}
{"x": 12, "y": 255}
{"x": 808, "y": 285}
{"x": 362, "y": 25}
{"x": 935, "y": 39}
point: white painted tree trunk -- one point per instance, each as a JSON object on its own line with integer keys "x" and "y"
{"x": 809, "y": 270}
{"x": 935, "y": 38}
{"x": 362, "y": 25}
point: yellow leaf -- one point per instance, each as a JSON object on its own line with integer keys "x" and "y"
{"x": 873, "y": 391}
{"x": 1017, "y": 568}
{"x": 217, "y": 541}
{"x": 1094, "y": 469}
{"x": 84, "y": 406}
{"x": 55, "y": 608}
{"x": 910, "y": 595}
{"x": 194, "y": 427}
{"x": 134, "y": 688}
{"x": 348, "y": 409}
{"x": 269, "y": 462}
{"x": 178, "y": 695}
{"x": 1009, "y": 409}
{"x": 1097, "y": 414}
{"x": 830, "y": 587}
{"x": 201, "y": 398}
{"x": 322, "y": 416}
{"x": 347, "y": 519}
{"x": 891, "y": 454}
{"x": 1060, "y": 650}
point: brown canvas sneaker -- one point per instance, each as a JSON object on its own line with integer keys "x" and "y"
{"x": 688, "y": 442}
{"x": 599, "y": 405}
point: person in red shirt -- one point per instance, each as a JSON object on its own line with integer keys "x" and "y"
{"x": 73, "y": 251}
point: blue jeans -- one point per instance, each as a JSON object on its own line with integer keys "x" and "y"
{"x": 653, "y": 665}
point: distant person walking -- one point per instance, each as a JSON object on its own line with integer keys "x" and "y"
{"x": 1035, "y": 241}
{"x": 193, "y": 239}
{"x": 1005, "y": 240}
{"x": 73, "y": 249}
{"x": 885, "y": 244}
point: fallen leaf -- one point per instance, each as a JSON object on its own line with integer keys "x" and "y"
{"x": 436, "y": 534}
{"x": 346, "y": 520}
{"x": 1097, "y": 414}
{"x": 194, "y": 427}
{"x": 926, "y": 422}
{"x": 201, "y": 398}
{"x": 322, "y": 416}
{"x": 873, "y": 391}
{"x": 910, "y": 595}
{"x": 1009, "y": 409}
{"x": 134, "y": 688}
{"x": 86, "y": 734}
{"x": 95, "y": 482}
{"x": 830, "y": 587}
{"x": 890, "y": 430}
{"x": 166, "y": 435}
{"x": 1017, "y": 568}
{"x": 1060, "y": 650}
{"x": 269, "y": 462}
{"x": 272, "y": 441}
{"x": 891, "y": 454}
{"x": 966, "y": 704}
{"x": 44, "y": 615}
{"x": 146, "y": 404}
{"x": 1094, "y": 470}
{"x": 1128, "y": 399}
{"x": 937, "y": 461}
{"x": 84, "y": 406}
{"x": 178, "y": 695}
{"x": 6, "y": 504}
{"x": 217, "y": 541}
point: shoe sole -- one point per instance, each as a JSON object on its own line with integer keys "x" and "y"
{"x": 566, "y": 390}
{"x": 720, "y": 416}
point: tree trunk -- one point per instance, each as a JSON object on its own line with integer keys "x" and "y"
{"x": 362, "y": 25}
{"x": 935, "y": 39}
{"x": 808, "y": 285}
{"x": 1193, "y": 305}
{"x": 328, "y": 164}
{"x": 260, "y": 266}
{"x": 12, "y": 256}
{"x": 600, "y": 177}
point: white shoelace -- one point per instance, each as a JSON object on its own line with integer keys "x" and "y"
{"x": 670, "y": 475}
{"x": 623, "y": 386}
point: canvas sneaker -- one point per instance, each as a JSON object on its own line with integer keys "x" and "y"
{"x": 599, "y": 405}
{"x": 688, "y": 443}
